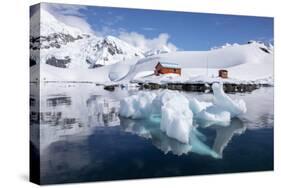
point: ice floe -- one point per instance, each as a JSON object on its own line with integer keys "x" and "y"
{"x": 177, "y": 119}
{"x": 224, "y": 102}
{"x": 137, "y": 106}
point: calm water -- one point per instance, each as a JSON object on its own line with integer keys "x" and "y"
{"x": 82, "y": 138}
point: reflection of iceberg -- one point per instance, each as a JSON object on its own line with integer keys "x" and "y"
{"x": 225, "y": 134}
{"x": 151, "y": 130}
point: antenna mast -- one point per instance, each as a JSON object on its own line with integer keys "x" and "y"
{"x": 207, "y": 64}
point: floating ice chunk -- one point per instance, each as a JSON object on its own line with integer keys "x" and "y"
{"x": 235, "y": 107}
{"x": 164, "y": 97}
{"x": 177, "y": 118}
{"x": 214, "y": 115}
{"x": 197, "y": 106}
{"x": 137, "y": 106}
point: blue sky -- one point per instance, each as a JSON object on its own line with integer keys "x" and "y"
{"x": 186, "y": 31}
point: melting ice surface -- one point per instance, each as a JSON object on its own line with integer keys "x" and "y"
{"x": 175, "y": 113}
{"x": 83, "y": 135}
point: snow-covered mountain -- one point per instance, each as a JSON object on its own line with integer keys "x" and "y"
{"x": 51, "y": 33}
{"x": 68, "y": 54}
{"x": 64, "y": 46}
{"x": 244, "y": 62}
{"x": 268, "y": 48}
{"x": 161, "y": 50}
{"x": 110, "y": 50}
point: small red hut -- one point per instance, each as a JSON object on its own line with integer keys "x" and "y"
{"x": 167, "y": 68}
{"x": 223, "y": 73}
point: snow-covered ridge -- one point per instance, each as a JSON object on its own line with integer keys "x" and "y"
{"x": 49, "y": 25}
{"x": 56, "y": 41}
{"x": 110, "y": 50}
{"x": 266, "y": 47}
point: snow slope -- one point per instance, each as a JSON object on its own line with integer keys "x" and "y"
{"x": 239, "y": 60}
{"x": 244, "y": 63}
{"x": 68, "y": 54}
{"x": 48, "y": 25}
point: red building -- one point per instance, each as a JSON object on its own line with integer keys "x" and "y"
{"x": 167, "y": 68}
{"x": 223, "y": 73}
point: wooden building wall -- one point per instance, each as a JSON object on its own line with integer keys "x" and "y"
{"x": 169, "y": 70}
{"x": 165, "y": 70}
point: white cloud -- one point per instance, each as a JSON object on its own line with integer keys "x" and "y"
{"x": 77, "y": 22}
{"x": 64, "y": 9}
{"x": 70, "y": 15}
{"x": 145, "y": 44}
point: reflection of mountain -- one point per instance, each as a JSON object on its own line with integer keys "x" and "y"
{"x": 150, "y": 130}
{"x": 103, "y": 111}
{"x": 58, "y": 100}
{"x": 64, "y": 115}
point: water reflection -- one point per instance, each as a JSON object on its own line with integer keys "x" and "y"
{"x": 225, "y": 134}
{"x": 64, "y": 117}
{"x": 58, "y": 100}
{"x": 103, "y": 111}
{"x": 82, "y": 138}
{"x": 150, "y": 130}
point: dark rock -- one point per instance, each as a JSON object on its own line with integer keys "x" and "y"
{"x": 55, "y": 40}
{"x": 110, "y": 87}
{"x": 265, "y": 50}
{"x": 61, "y": 63}
{"x": 32, "y": 62}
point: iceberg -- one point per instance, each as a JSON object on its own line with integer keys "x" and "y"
{"x": 176, "y": 113}
{"x": 198, "y": 106}
{"x": 213, "y": 115}
{"x": 137, "y": 106}
{"x": 164, "y": 97}
{"x": 233, "y": 106}
{"x": 220, "y": 111}
{"x": 177, "y": 119}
